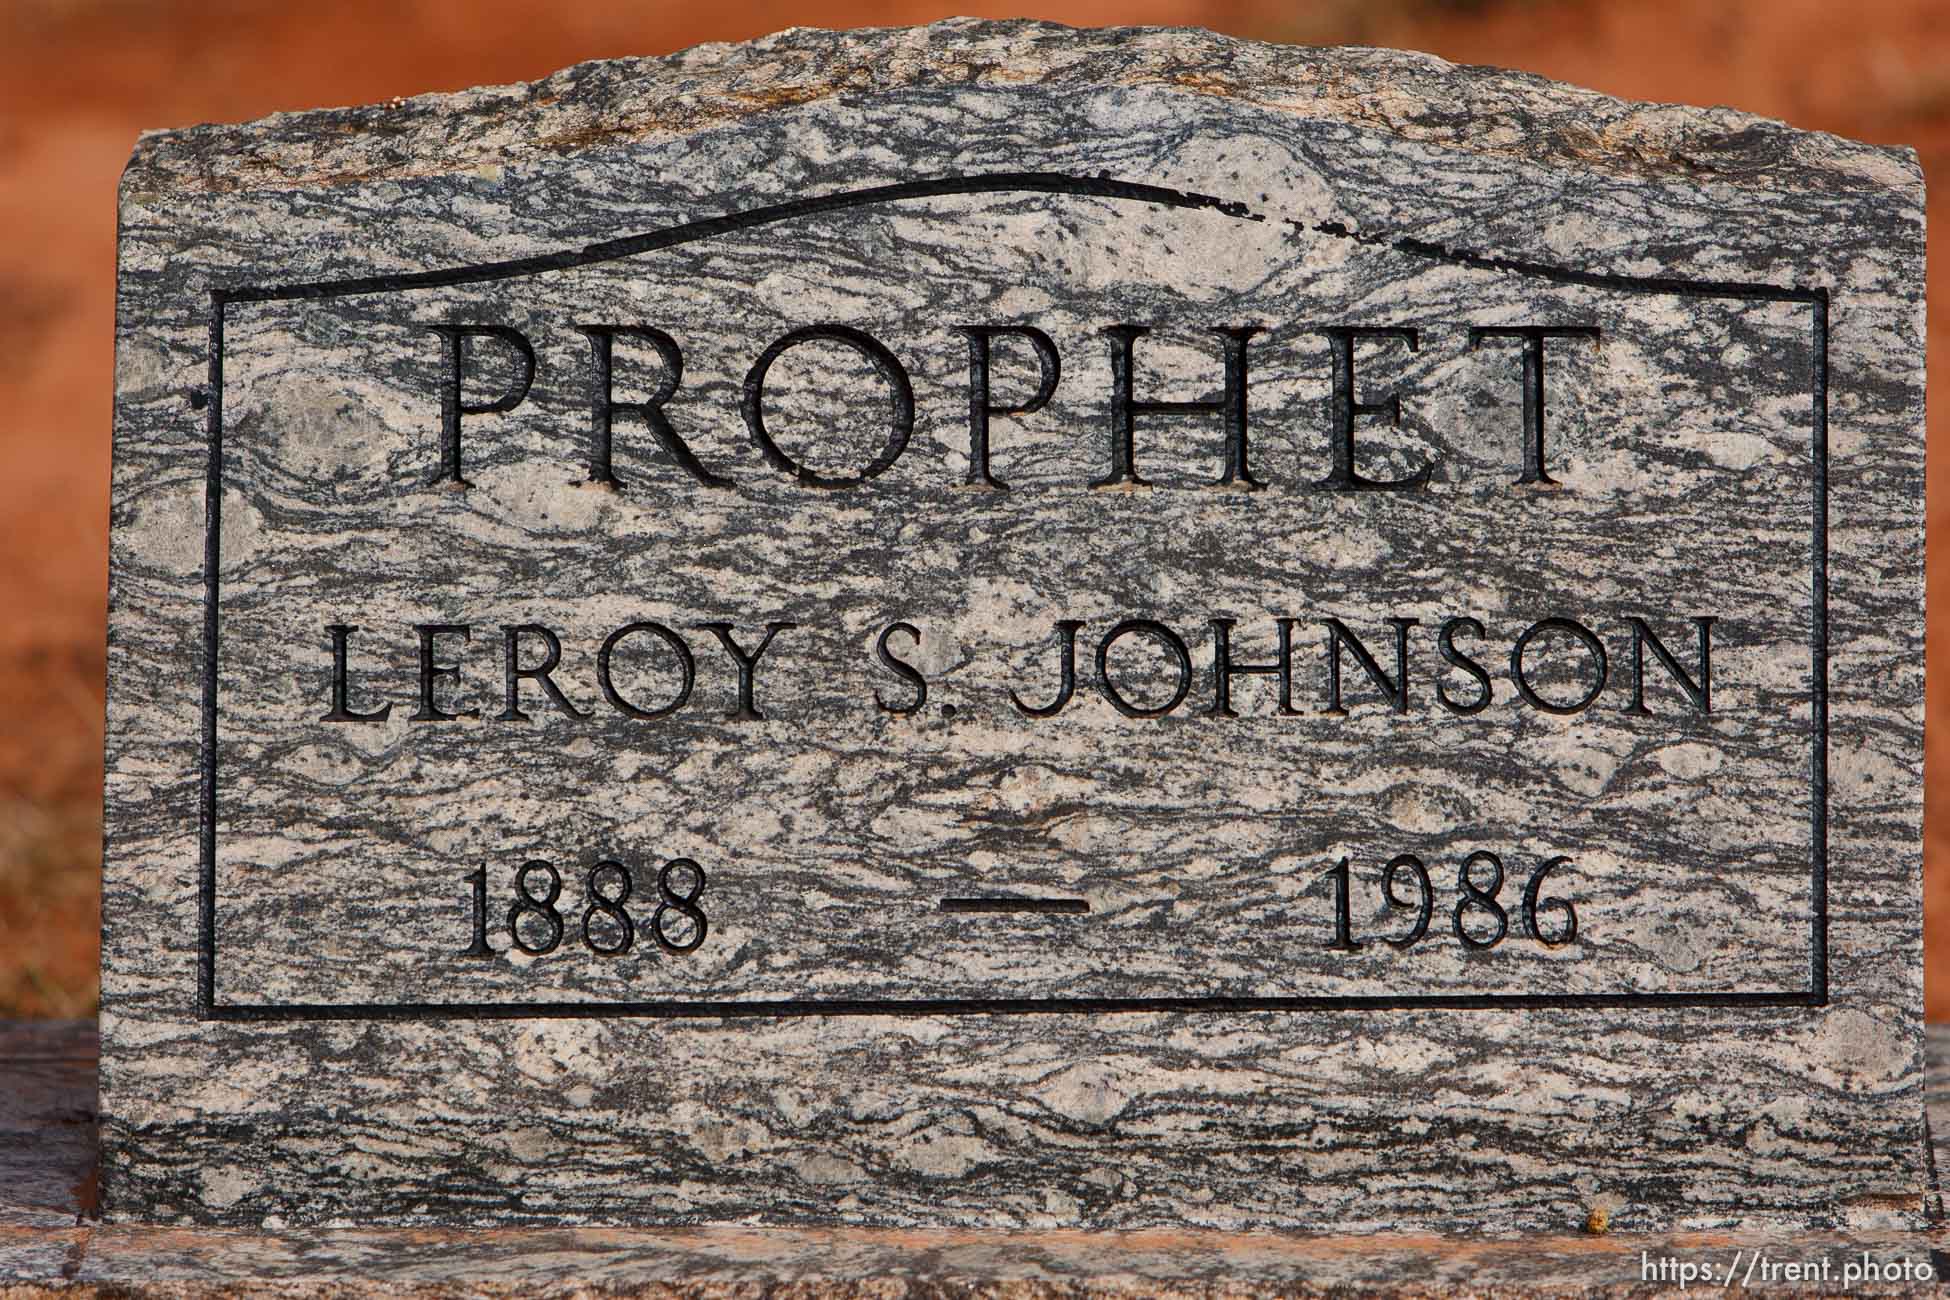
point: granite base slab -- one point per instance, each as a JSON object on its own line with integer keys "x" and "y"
{"x": 50, "y": 1244}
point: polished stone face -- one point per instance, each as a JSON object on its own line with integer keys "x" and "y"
{"x": 1008, "y": 625}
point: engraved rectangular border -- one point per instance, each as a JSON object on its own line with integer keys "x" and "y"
{"x": 209, "y": 1009}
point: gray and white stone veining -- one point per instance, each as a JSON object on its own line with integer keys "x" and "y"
{"x": 1351, "y": 187}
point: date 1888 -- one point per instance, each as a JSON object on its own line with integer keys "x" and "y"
{"x": 537, "y": 927}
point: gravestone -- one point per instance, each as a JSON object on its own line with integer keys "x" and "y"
{"x": 1003, "y": 625}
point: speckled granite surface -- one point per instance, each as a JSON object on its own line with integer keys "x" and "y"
{"x": 50, "y": 1243}
{"x": 314, "y": 1008}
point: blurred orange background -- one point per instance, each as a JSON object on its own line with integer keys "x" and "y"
{"x": 79, "y": 79}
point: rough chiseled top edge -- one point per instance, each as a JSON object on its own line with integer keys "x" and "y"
{"x": 1417, "y": 97}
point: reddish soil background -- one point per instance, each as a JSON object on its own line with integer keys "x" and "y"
{"x": 79, "y": 79}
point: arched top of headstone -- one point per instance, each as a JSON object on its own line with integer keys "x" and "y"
{"x": 1506, "y": 117}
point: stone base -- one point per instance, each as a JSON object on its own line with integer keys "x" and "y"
{"x": 49, "y": 1243}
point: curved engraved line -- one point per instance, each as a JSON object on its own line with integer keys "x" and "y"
{"x": 1748, "y": 290}
{"x": 614, "y": 249}
{"x": 996, "y": 183}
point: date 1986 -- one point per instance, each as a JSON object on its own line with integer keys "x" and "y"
{"x": 1478, "y": 918}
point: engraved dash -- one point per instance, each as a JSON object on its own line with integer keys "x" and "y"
{"x": 1064, "y": 906}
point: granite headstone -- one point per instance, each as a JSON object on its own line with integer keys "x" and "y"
{"x": 999, "y": 624}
